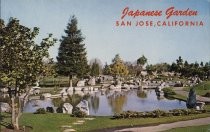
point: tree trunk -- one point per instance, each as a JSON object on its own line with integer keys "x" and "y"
{"x": 70, "y": 81}
{"x": 15, "y": 118}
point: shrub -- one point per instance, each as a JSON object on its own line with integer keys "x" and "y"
{"x": 59, "y": 110}
{"x": 156, "y": 113}
{"x": 40, "y": 111}
{"x": 50, "y": 109}
{"x": 78, "y": 113}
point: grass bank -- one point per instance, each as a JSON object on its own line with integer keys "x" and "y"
{"x": 201, "y": 89}
{"x": 171, "y": 94}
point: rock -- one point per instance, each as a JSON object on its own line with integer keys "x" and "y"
{"x": 4, "y": 90}
{"x": 92, "y": 82}
{"x": 200, "y": 105}
{"x": 143, "y": 73}
{"x": 67, "y": 108}
{"x": 90, "y": 119}
{"x": 36, "y": 91}
{"x": 69, "y": 130}
{"x": 5, "y": 107}
{"x": 46, "y": 95}
{"x": 83, "y": 106}
{"x": 78, "y": 88}
{"x": 81, "y": 83}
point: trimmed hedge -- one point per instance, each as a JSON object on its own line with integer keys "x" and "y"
{"x": 156, "y": 113}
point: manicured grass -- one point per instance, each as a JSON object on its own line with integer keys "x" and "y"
{"x": 53, "y": 122}
{"x": 179, "y": 97}
{"x": 201, "y": 89}
{"x": 46, "y": 122}
{"x": 170, "y": 94}
{"x": 204, "y": 128}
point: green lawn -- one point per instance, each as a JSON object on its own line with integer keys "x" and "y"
{"x": 179, "y": 97}
{"x": 52, "y": 122}
{"x": 204, "y": 128}
{"x": 201, "y": 89}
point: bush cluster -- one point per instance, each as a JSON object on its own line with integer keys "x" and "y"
{"x": 156, "y": 113}
{"x": 50, "y": 109}
{"x": 78, "y": 113}
{"x": 43, "y": 111}
{"x": 40, "y": 111}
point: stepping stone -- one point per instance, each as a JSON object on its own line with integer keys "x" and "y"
{"x": 81, "y": 121}
{"x": 66, "y": 126}
{"x": 89, "y": 118}
{"x": 77, "y": 123}
{"x": 69, "y": 130}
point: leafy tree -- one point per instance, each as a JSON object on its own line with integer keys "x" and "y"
{"x": 191, "y": 100}
{"x": 117, "y": 67}
{"x": 179, "y": 61}
{"x": 71, "y": 54}
{"x": 174, "y": 67}
{"x": 150, "y": 68}
{"x": 21, "y": 58}
{"x": 201, "y": 64}
{"x": 107, "y": 69}
{"x": 142, "y": 61}
{"x": 131, "y": 68}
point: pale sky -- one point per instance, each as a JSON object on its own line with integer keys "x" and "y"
{"x": 103, "y": 40}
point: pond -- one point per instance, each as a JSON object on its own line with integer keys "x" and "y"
{"x": 106, "y": 103}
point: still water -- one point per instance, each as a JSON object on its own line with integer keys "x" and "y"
{"x": 105, "y": 103}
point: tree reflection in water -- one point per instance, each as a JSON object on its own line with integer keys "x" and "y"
{"x": 141, "y": 94}
{"x": 117, "y": 100}
{"x": 94, "y": 103}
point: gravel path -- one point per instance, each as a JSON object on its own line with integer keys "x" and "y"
{"x": 163, "y": 127}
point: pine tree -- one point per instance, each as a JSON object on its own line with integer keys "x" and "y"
{"x": 191, "y": 100}
{"x": 95, "y": 69}
{"x": 71, "y": 57}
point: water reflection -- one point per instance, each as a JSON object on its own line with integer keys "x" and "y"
{"x": 141, "y": 94}
{"x": 94, "y": 103}
{"x": 117, "y": 100}
{"x": 103, "y": 103}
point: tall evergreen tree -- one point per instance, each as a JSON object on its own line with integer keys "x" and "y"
{"x": 71, "y": 57}
{"x": 95, "y": 69}
{"x": 191, "y": 100}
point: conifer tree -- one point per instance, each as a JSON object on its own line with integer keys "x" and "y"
{"x": 71, "y": 57}
{"x": 191, "y": 100}
{"x": 95, "y": 69}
